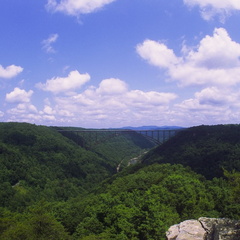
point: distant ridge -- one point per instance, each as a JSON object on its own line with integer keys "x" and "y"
{"x": 152, "y": 128}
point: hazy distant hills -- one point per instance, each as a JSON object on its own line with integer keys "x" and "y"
{"x": 153, "y": 128}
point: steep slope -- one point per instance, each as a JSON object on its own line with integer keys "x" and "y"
{"x": 116, "y": 147}
{"x": 37, "y": 161}
{"x": 206, "y": 149}
{"x": 40, "y": 162}
{"x": 143, "y": 202}
{"x": 48, "y": 188}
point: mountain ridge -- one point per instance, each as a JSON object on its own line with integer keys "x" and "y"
{"x": 153, "y": 128}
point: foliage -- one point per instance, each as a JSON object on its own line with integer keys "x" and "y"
{"x": 38, "y": 162}
{"x": 143, "y": 204}
{"x": 35, "y": 223}
{"x": 54, "y": 187}
{"x": 206, "y": 149}
{"x": 116, "y": 147}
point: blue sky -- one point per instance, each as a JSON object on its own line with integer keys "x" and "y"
{"x": 115, "y": 63}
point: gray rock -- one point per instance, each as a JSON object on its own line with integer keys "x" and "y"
{"x": 205, "y": 229}
{"x": 173, "y": 232}
{"x": 221, "y": 228}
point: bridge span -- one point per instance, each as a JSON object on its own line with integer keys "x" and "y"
{"x": 158, "y": 136}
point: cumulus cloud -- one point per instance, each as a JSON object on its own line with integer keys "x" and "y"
{"x": 76, "y": 7}
{"x": 214, "y": 96}
{"x": 113, "y": 102}
{"x": 138, "y": 98}
{"x": 211, "y": 8}
{"x": 10, "y": 71}
{"x": 18, "y": 96}
{"x": 212, "y": 67}
{"x": 157, "y": 54}
{"x": 211, "y": 105}
{"x": 73, "y": 81}
{"x": 48, "y": 110}
{"x": 47, "y": 43}
{"x": 211, "y": 98}
{"x": 24, "y": 109}
{"x": 215, "y": 61}
{"x": 24, "y": 112}
{"x": 112, "y": 86}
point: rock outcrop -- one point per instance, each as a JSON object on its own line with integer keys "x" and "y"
{"x": 205, "y": 229}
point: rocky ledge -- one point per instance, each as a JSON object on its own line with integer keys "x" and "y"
{"x": 205, "y": 229}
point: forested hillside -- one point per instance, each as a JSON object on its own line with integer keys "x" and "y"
{"x": 116, "y": 148}
{"x": 38, "y": 161}
{"x": 208, "y": 150}
{"x": 53, "y": 187}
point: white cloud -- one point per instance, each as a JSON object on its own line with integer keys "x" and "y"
{"x": 76, "y": 7}
{"x": 47, "y": 43}
{"x": 212, "y": 67}
{"x": 215, "y": 61}
{"x": 112, "y": 102}
{"x": 10, "y": 71}
{"x": 227, "y": 4}
{"x": 216, "y": 52}
{"x": 23, "y": 112}
{"x": 24, "y": 108}
{"x": 73, "y": 81}
{"x": 48, "y": 110}
{"x": 210, "y": 8}
{"x": 157, "y": 53}
{"x": 211, "y": 105}
{"x": 18, "y": 96}
{"x": 146, "y": 99}
{"x": 214, "y": 97}
{"x": 112, "y": 86}
{"x": 106, "y": 106}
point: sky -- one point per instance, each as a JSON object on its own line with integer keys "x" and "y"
{"x": 117, "y": 63}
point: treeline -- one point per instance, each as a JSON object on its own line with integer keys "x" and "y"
{"x": 52, "y": 188}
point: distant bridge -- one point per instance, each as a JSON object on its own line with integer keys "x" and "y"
{"x": 97, "y": 136}
{"x": 159, "y": 136}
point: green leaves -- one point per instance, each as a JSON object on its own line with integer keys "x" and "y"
{"x": 140, "y": 202}
{"x": 37, "y": 223}
{"x": 143, "y": 205}
{"x": 206, "y": 149}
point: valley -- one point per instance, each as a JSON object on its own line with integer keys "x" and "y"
{"x": 58, "y": 185}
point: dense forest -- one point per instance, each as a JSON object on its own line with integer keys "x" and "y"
{"x": 60, "y": 185}
{"x": 206, "y": 149}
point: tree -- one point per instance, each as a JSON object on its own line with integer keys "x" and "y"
{"x": 37, "y": 223}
